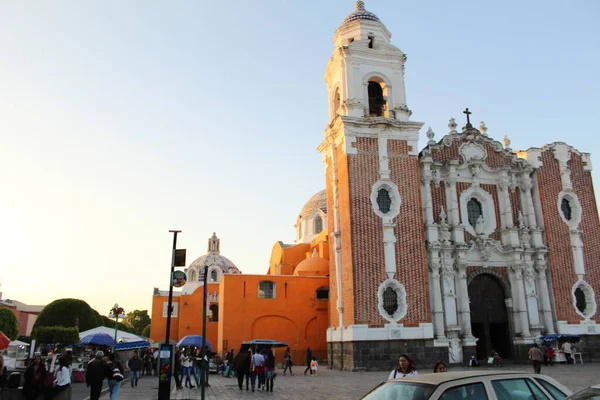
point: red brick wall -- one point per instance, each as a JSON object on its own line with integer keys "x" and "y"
{"x": 515, "y": 204}
{"x": 560, "y": 255}
{"x": 411, "y": 259}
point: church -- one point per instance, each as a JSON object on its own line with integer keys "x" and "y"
{"x": 445, "y": 253}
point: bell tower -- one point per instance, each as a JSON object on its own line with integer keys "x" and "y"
{"x": 378, "y": 270}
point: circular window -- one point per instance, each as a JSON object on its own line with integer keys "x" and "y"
{"x": 584, "y": 299}
{"x": 569, "y": 209}
{"x": 384, "y": 201}
{"x": 390, "y": 301}
{"x": 565, "y": 207}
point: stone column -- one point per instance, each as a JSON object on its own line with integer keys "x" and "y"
{"x": 506, "y": 217}
{"x": 542, "y": 282}
{"x": 448, "y": 289}
{"x": 521, "y": 306}
{"x": 438, "y": 309}
{"x": 526, "y": 186}
{"x": 463, "y": 300}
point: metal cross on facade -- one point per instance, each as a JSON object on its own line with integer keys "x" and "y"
{"x": 468, "y": 118}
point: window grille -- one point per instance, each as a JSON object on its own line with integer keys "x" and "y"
{"x": 384, "y": 201}
{"x": 266, "y": 290}
{"x": 580, "y": 301}
{"x": 318, "y": 224}
{"x": 213, "y": 276}
{"x": 474, "y": 210}
{"x": 565, "y": 207}
{"x": 390, "y": 301}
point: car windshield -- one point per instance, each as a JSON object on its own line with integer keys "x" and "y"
{"x": 393, "y": 390}
{"x": 586, "y": 394}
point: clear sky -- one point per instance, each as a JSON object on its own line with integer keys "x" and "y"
{"x": 120, "y": 120}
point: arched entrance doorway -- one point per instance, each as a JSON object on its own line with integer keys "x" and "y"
{"x": 489, "y": 319}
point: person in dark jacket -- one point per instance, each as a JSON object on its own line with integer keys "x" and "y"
{"x": 35, "y": 379}
{"x": 177, "y": 369}
{"x": 135, "y": 365}
{"x": 241, "y": 366}
{"x": 114, "y": 378}
{"x": 95, "y": 374}
{"x": 309, "y": 357}
{"x": 269, "y": 370}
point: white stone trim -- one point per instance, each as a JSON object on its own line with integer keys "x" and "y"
{"x": 394, "y": 195}
{"x": 587, "y": 327}
{"x": 575, "y": 208}
{"x": 358, "y": 333}
{"x": 472, "y": 151}
{"x": 590, "y": 299}
{"x": 174, "y": 312}
{"x": 487, "y": 209}
{"x": 401, "y": 300}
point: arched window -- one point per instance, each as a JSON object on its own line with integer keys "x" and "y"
{"x": 322, "y": 293}
{"x": 384, "y": 201}
{"x": 376, "y": 99}
{"x": 336, "y": 102}
{"x": 214, "y": 309}
{"x": 213, "y": 276}
{"x": 193, "y": 276}
{"x": 565, "y": 207}
{"x": 390, "y": 300}
{"x": 474, "y": 210}
{"x": 318, "y": 224}
{"x": 266, "y": 290}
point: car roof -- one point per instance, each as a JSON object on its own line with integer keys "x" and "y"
{"x": 442, "y": 377}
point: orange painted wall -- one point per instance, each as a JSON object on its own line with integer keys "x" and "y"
{"x": 294, "y": 316}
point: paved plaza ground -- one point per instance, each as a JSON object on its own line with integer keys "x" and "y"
{"x": 332, "y": 384}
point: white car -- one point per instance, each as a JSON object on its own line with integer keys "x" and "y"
{"x": 589, "y": 393}
{"x": 463, "y": 385}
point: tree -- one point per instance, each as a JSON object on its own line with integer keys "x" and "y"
{"x": 146, "y": 332}
{"x": 57, "y": 334}
{"x": 67, "y": 313}
{"x": 9, "y": 324}
{"x": 138, "y": 320}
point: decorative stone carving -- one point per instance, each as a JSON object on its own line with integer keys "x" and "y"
{"x": 452, "y": 126}
{"x": 213, "y": 297}
{"x": 506, "y": 142}
{"x": 434, "y": 268}
{"x": 517, "y": 270}
{"x": 529, "y": 278}
{"x": 472, "y": 151}
{"x": 430, "y": 135}
{"x": 455, "y": 351}
{"x": 437, "y": 177}
{"x": 482, "y": 128}
{"x": 480, "y": 226}
{"x": 444, "y": 228}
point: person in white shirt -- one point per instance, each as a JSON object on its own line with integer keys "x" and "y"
{"x": 186, "y": 363}
{"x": 256, "y": 368}
{"x": 566, "y": 348}
{"x": 63, "y": 377}
{"x": 405, "y": 368}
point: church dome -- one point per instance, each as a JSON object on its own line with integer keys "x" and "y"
{"x": 313, "y": 266}
{"x": 317, "y": 202}
{"x": 226, "y": 265}
{"x": 360, "y": 13}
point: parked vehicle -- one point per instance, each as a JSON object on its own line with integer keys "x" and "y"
{"x": 592, "y": 392}
{"x": 480, "y": 385}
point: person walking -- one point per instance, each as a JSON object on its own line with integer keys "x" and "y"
{"x": 115, "y": 376}
{"x": 186, "y": 363}
{"x": 269, "y": 370}
{"x": 135, "y": 365}
{"x": 309, "y": 357}
{"x": 95, "y": 374}
{"x": 204, "y": 366}
{"x": 406, "y": 367}
{"x": 177, "y": 369}
{"x": 257, "y": 370}
{"x": 35, "y": 376}
{"x": 536, "y": 357}
{"x": 241, "y": 366}
{"x": 314, "y": 366}
{"x": 288, "y": 361}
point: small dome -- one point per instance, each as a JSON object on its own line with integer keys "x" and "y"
{"x": 226, "y": 265}
{"x": 360, "y": 13}
{"x": 313, "y": 266}
{"x": 317, "y": 202}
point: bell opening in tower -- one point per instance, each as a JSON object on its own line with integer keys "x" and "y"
{"x": 376, "y": 99}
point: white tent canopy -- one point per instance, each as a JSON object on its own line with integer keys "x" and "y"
{"x": 121, "y": 335}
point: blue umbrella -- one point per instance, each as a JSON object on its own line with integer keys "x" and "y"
{"x": 193, "y": 340}
{"x": 98, "y": 339}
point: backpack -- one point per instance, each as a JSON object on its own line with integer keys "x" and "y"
{"x": 116, "y": 373}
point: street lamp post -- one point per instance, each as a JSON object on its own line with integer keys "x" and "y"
{"x": 116, "y": 312}
{"x": 203, "y": 352}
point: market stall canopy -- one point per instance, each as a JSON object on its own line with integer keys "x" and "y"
{"x": 265, "y": 343}
{"x": 142, "y": 344}
{"x": 122, "y": 336}
{"x": 18, "y": 343}
{"x": 4, "y": 341}
{"x": 193, "y": 340}
{"x": 561, "y": 338}
{"x": 98, "y": 339}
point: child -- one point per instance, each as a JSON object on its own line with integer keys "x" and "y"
{"x": 314, "y": 365}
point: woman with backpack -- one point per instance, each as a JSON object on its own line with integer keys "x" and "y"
{"x": 115, "y": 376}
